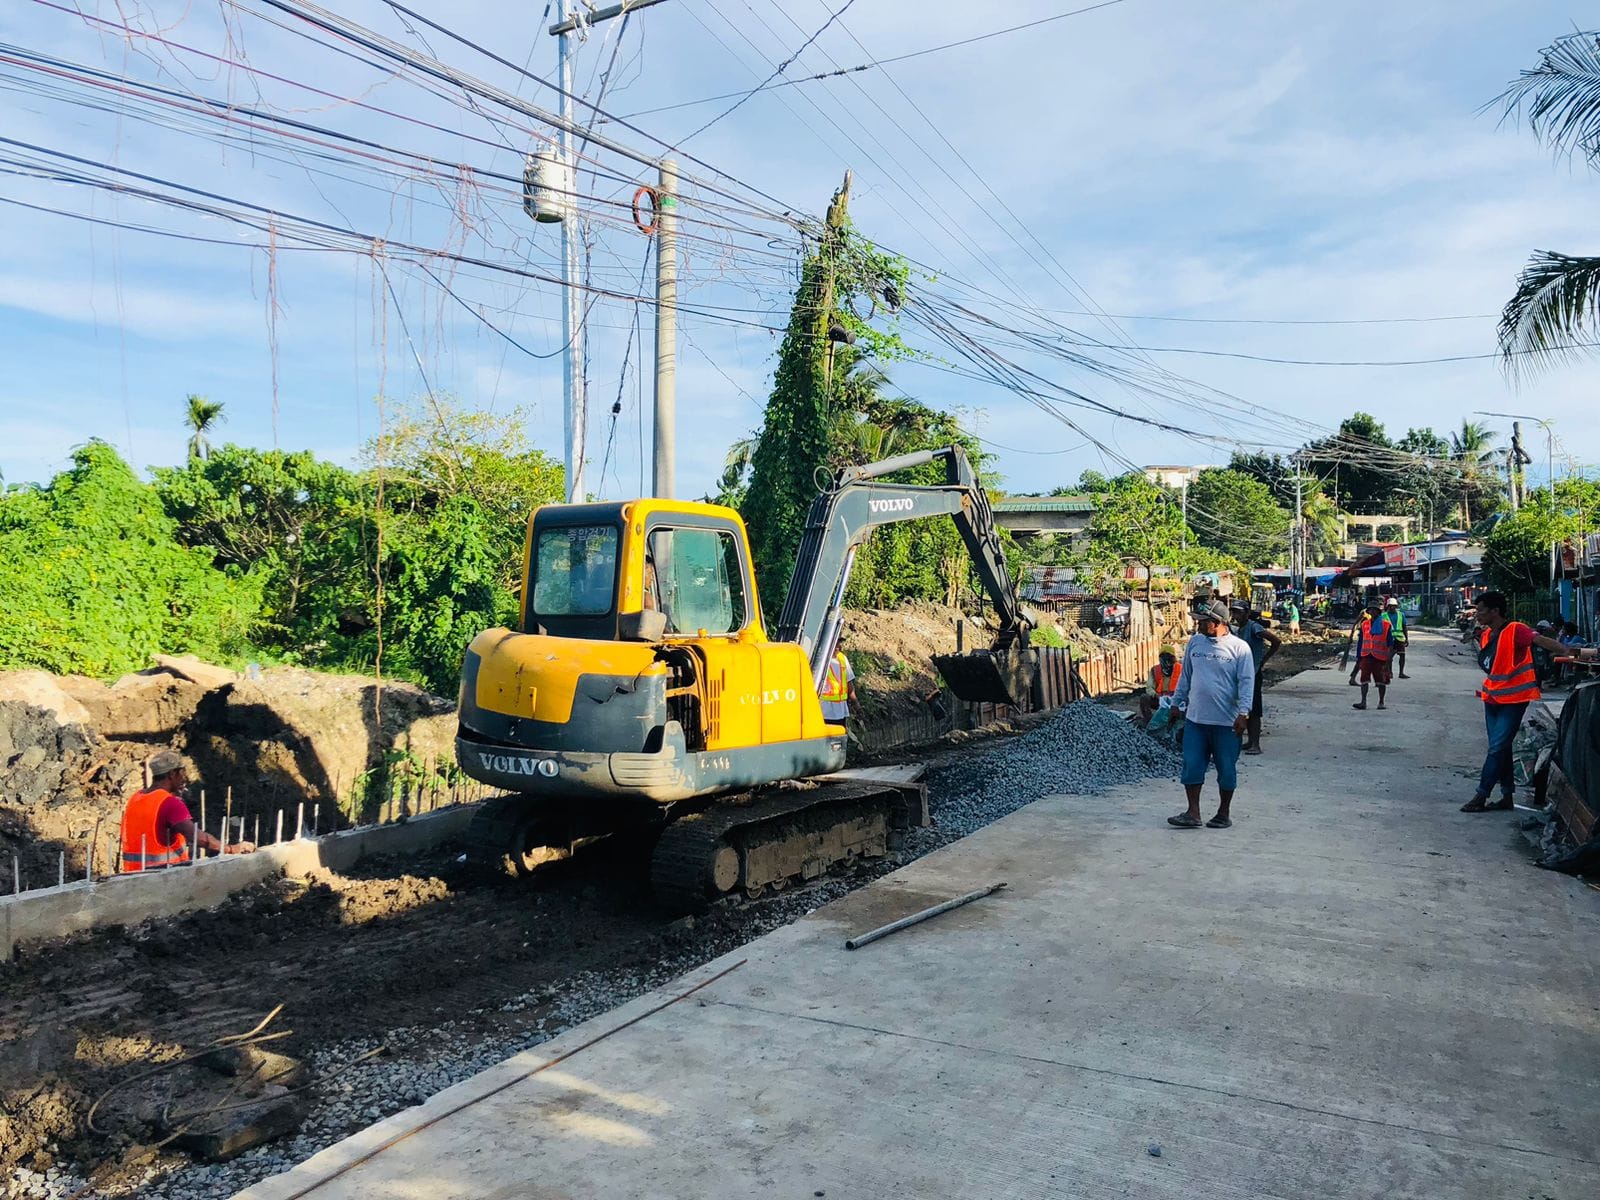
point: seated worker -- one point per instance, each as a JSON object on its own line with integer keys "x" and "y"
{"x": 157, "y": 828}
{"x": 1161, "y": 686}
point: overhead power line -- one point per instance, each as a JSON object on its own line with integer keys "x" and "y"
{"x": 1336, "y": 362}
{"x": 777, "y": 71}
{"x": 868, "y": 66}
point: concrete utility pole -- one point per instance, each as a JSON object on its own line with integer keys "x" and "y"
{"x": 666, "y": 416}
{"x": 666, "y": 202}
{"x": 576, "y": 424}
{"x": 1297, "y": 545}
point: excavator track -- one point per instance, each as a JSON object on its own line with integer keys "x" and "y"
{"x": 767, "y": 841}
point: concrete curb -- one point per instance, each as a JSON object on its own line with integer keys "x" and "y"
{"x": 47, "y": 913}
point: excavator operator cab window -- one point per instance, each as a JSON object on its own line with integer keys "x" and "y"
{"x": 575, "y": 571}
{"x": 698, "y": 580}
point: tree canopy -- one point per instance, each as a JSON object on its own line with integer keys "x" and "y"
{"x": 1235, "y": 514}
{"x": 95, "y": 579}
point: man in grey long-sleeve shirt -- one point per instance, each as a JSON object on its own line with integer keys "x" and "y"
{"x": 1214, "y": 695}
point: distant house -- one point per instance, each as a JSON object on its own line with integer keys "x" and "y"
{"x": 1032, "y": 516}
{"x": 1176, "y": 478}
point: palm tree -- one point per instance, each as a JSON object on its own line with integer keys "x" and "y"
{"x": 1555, "y": 310}
{"x": 202, "y": 416}
{"x": 1472, "y": 449}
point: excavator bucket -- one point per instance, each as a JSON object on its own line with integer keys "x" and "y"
{"x": 995, "y": 676}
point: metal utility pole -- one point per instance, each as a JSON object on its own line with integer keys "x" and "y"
{"x": 666, "y": 415}
{"x": 576, "y": 423}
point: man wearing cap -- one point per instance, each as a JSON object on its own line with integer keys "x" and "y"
{"x": 1397, "y": 622}
{"x": 1263, "y": 645}
{"x": 157, "y": 828}
{"x": 1162, "y": 685}
{"x": 1214, "y": 696}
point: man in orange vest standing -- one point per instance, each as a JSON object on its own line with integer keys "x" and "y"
{"x": 1374, "y": 649}
{"x": 838, "y": 690}
{"x": 1510, "y": 684}
{"x": 157, "y": 827}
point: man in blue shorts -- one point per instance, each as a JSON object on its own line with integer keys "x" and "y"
{"x": 1214, "y": 696}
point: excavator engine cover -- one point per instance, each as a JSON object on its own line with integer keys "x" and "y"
{"x": 992, "y": 676}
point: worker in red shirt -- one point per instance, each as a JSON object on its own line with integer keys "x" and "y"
{"x": 157, "y": 828}
{"x": 1510, "y": 684}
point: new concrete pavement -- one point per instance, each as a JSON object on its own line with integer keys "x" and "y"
{"x": 1356, "y": 991}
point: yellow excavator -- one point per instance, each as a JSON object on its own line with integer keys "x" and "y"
{"x": 642, "y": 689}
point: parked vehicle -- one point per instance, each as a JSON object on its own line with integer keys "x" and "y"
{"x": 1114, "y": 618}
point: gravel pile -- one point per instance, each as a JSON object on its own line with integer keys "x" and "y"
{"x": 1084, "y": 749}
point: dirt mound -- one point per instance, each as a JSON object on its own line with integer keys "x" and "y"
{"x": 59, "y": 780}
{"x": 295, "y": 735}
{"x": 72, "y": 750}
{"x": 891, "y": 651}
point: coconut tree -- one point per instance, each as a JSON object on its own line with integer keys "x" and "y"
{"x": 1473, "y": 451}
{"x": 201, "y": 416}
{"x": 1555, "y": 311}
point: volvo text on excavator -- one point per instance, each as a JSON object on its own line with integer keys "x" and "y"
{"x": 642, "y": 688}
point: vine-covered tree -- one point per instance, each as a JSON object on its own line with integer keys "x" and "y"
{"x": 1517, "y": 553}
{"x": 826, "y": 337}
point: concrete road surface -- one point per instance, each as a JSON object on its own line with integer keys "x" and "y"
{"x": 1356, "y": 991}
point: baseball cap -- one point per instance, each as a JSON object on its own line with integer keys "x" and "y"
{"x": 166, "y": 762}
{"x": 1393, "y": 602}
{"x": 1213, "y": 611}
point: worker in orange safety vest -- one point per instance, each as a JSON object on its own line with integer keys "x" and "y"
{"x": 1374, "y": 650}
{"x": 838, "y": 690}
{"x": 158, "y": 830}
{"x": 1510, "y": 684}
{"x": 1162, "y": 686}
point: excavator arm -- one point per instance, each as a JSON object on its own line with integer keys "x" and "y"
{"x": 841, "y": 519}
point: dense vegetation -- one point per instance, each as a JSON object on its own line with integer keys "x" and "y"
{"x": 256, "y": 553}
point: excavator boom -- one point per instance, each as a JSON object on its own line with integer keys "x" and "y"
{"x": 840, "y": 521}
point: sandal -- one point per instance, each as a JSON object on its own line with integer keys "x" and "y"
{"x": 1184, "y": 821}
{"x": 1219, "y": 822}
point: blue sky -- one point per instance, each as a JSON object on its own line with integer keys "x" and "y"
{"x": 1152, "y": 159}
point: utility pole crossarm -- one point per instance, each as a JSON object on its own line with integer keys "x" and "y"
{"x": 570, "y": 24}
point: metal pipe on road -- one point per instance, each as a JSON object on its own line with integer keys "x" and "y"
{"x": 917, "y": 918}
